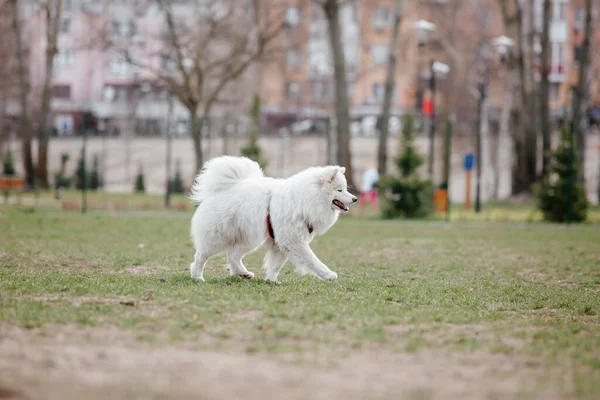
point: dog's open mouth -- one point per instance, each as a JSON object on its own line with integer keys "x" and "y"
{"x": 340, "y": 205}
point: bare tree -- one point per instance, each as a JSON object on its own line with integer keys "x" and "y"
{"x": 332, "y": 13}
{"x": 25, "y": 121}
{"x": 52, "y": 12}
{"x": 389, "y": 88}
{"x": 579, "y": 91}
{"x": 544, "y": 95}
{"x": 203, "y": 53}
{"x": 9, "y": 86}
{"x": 518, "y": 26}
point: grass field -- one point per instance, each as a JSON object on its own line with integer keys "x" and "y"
{"x": 468, "y": 310}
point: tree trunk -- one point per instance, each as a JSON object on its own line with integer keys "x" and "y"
{"x": 545, "y": 89}
{"x": 529, "y": 96}
{"x": 25, "y": 124}
{"x": 332, "y": 11}
{"x": 196, "y": 130}
{"x": 389, "y": 88}
{"x": 580, "y": 90}
{"x": 503, "y": 147}
{"x": 523, "y": 106}
{"x": 53, "y": 13}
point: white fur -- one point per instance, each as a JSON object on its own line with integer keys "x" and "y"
{"x": 234, "y": 197}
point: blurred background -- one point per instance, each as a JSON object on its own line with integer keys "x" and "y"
{"x": 134, "y": 95}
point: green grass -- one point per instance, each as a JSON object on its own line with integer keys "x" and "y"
{"x": 529, "y": 291}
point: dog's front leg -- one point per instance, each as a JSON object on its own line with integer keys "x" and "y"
{"x": 302, "y": 256}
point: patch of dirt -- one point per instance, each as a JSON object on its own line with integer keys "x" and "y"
{"x": 150, "y": 269}
{"x": 75, "y": 300}
{"x": 99, "y": 363}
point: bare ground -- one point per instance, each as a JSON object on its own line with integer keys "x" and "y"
{"x": 67, "y": 362}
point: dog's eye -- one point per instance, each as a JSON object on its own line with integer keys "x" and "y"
{"x": 339, "y": 190}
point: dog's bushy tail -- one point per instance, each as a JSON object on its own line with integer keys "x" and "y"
{"x": 222, "y": 173}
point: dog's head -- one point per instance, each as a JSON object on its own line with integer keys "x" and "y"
{"x": 334, "y": 184}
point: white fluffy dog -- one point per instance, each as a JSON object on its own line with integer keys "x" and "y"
{"x": 239, "y": 210}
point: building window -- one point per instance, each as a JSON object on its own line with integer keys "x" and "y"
{"x": 560, "y": 11}
{"x": 292, "y": 16}
{"x": 579, "y": 18}
{"x": 168, "y": 63}
{"x": 554, "y": 88}
{"x": 538, "y": 14}
{"x": 382, "y": 18}
{"x": 292, "y": 57}
{"x": 114, "y": 93}
{"x": 65, "y": 26}
{"x": 118, "y": 65}
{"x": 380, "y": 53}
{"x": 292, "y": 91}
{"x": 61, "y": 91}
{"x": 577, "y": 53}
{"x": 66, "y": 5}
{"x": 320, "y": 91}
{"x": 63, "y": 60}
{"x": 379, "y": 92}
{"x": 123, "y": 29}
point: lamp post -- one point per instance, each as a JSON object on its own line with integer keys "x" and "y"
{"x": 423, "y": 29}
{"x": 440, "y": 69}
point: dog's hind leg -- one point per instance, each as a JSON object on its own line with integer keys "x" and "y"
{"x": 302, "y": 256}
{"x": 234, "y": 257}
{"x": 273, "y": 262}
{"x": 197, "y": 267}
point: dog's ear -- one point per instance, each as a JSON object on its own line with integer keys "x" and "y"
{"x": 342, "y": 170}
{"x": 329, "y": 175}
{"x": 334, "y": 173}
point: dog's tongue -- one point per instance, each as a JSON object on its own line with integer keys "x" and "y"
{"x": 341, "y": 205}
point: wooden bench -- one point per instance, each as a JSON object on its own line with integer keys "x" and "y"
{"x": 11, "y": 184}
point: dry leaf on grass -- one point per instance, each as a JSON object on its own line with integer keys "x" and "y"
{"x": 149, "y": 296}
{"x": 130, "y": 303}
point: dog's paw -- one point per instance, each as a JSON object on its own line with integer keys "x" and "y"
{"x": 194, "y": 273}
{"x": 273, "y": 281}
{"x": 246, "y": 275}
{"x": 330, "y": 276}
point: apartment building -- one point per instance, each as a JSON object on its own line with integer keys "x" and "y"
{"x": 92, "y": 83}
{"x": 298, "y": 86}
{"x": 296, "y": 83}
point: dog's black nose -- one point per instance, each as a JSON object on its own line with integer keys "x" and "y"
{"x": 354, "y": 200}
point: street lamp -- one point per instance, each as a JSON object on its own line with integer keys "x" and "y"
{"x": 423, "y": 28}
{"x": 503, "y": 44}
{"x": 440, "y": 69}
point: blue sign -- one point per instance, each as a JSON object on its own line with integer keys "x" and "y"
{"x": 469, "y": 160}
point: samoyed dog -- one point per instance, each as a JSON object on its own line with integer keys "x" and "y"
{"x": 240, "y": 210}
